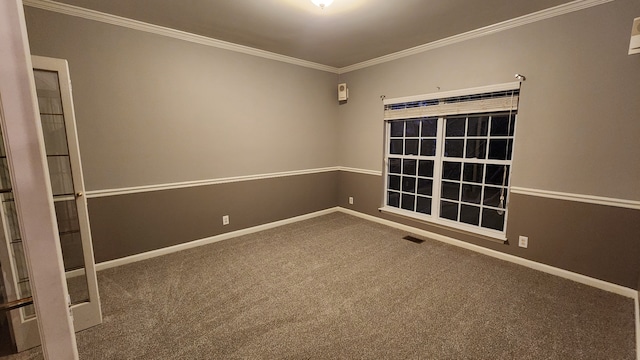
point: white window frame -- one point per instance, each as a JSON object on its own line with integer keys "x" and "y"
{"x": 439, "y": 159}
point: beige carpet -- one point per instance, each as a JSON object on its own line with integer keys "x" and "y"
{"x": 339, "y": 287}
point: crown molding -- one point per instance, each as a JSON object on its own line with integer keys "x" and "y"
{"x": 487, "y": 30}
{"x": 203, "y": 40}
{"x": 80, "y": 12}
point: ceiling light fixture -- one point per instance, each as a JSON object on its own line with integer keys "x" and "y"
{"x": 322, "y": 3}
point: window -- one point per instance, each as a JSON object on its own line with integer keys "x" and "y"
{"x": 448, "y": 157}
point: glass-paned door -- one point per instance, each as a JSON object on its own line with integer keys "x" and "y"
{"x": 63, "y": 160}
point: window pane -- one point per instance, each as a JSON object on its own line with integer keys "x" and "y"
{"x": 492, "y": 196}
{"x": 476, "y": 148}
{"x": 395, "y": 166}
{"x": 394, "y": 182}
{"x": 455, "y": 127}
{"x": 451, "y": 170}
{"x": 393, "y": 199}
{"x": 478, "y": 126}
{"x": 423, "y": 205}
{"x": 448, "y": 210}
{"x": 500, "y": 149}
{"x": 429, "y": 127}
{"x": 473, "y": 173}
{"x": 496, "y": 174}
{"x": 425, "y": 187}
{"x": 408, "y": 184}
{"x": 425, "y": 168}
{"x": 395, "y": 146}
{"x": 412, "y": 129}
{"x": 408, "y": 202}
{"x": 492, "y": 220}
{"x": 471, "y": 193}
{"x": 470, "y": 214}
{"x": 409, "y": 166}
{"x": 450, "y": 190}
{"x": 428, "y": 147}
{"x": 411, "y": 147}
{"x": 397, "y": 128}
{"x": 501, "y": 125}
{"x": 454, "y": 148}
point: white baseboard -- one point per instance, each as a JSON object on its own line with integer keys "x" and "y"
{"x": 209, "y": 240}
{"x": 600, "y": 284}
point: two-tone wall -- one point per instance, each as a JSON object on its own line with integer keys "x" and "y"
{"x": 154, "y": 111}
{"x": 157, "y": 111}
{"x": 576, "y": 174}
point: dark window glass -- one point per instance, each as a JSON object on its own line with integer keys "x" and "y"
{"x": 425, "y": 168}
{"x": 408, "y": 202}
{"x": 450, "y": 190}
{"x": 478, "y": 126}
{"x": 411, "y": 147}
{"x": 394, "y": 182}
{"x": 476, "y": 148}
{"x": 451, "y": 170}
{"x": 408, "y": 184}
{"x": 395, "y": 146}
{"x": 423, "y": 205}
{"x": 492, "y": 196}
{"x": 473, "y": 173}
{"x": 502, "y": 125}
{"x": 496, "y": 174}
{"x": 471, "y": 193}
{"x": 425, "y": 187}
{"x": 500, "y": 149}
{"x": 429, "y": 127}
{"x": 393, "y": 199}
{"x": 397, "y": 128}
{"x": 470, "y": 214}
{"x": 455, "y": 127}
{"x": 454, "y": 148}
{"x": 409, "y": 166}
{"x": 428, "y": 147}
{"x": 412, "y": 129}
{"x": 448, "y": 210}
{"x": 491, "y": 219}
{"x": 395, "y": 166}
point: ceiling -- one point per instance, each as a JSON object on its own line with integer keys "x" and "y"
{"x": 346, "y": 33}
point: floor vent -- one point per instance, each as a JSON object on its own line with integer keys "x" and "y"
{"x": 413, "y": 239}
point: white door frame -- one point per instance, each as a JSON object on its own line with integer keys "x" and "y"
{"x": 20, "y": 121}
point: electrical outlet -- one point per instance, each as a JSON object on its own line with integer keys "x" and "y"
{"x": 225, "y": 220}
{"x": 350, "y": 200}
{"x": 523, "y": 241}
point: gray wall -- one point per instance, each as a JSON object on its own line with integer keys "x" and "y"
{"x": 578, "y": 125}
{"x": 577, "y": 132}
{"x": 153, "y": 110}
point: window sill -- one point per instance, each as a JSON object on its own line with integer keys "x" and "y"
{"x": 494, "y": 236}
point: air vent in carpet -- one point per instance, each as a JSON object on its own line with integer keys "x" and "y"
{"x": 413, "y": 239}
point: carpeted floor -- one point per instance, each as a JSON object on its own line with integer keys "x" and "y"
{"x": 341, "y": 287}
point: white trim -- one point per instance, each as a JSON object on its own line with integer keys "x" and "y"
{"x": 360, "y": 171}
{"x": 209, "y": 240}
{"x": 169, "y": 32}
{"x": 598, "y": 200}
{"x": 586, "y": 280}
{"x": 454, "y": 93}
{"x": 487, "y": 30}
{"x": 203, "y": 40}
{"x": 185, "y": 184}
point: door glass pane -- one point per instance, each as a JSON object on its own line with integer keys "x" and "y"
{"x": 59, "y": 161}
